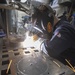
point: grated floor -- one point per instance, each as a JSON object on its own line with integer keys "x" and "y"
{"x": 6, "y": 55}
{"x": 26, "y": 56}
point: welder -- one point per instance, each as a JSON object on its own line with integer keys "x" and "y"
{"x": 62, "y": 36}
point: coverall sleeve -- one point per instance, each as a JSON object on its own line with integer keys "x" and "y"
{"x": 60, "y": 41}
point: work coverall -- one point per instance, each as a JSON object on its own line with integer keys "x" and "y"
{"x": 62, "y": 43}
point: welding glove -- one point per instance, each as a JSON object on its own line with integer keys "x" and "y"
{"x": 35, "y": 37}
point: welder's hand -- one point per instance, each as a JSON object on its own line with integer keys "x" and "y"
{"x": 35, "y": 37}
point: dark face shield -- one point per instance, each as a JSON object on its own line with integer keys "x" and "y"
{"x": 43, "y": 19}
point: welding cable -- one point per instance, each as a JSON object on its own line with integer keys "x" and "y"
{"x": 8, "y": 66}
{"x": 41, "y": 44}
{"x": 70, "y": 64}
{"x": 43, "y": 47}
{"x": 56, "y": 63}
{"x": 71, "y": 68}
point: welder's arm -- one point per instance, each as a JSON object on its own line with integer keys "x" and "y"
{"x": 59, "y": 42}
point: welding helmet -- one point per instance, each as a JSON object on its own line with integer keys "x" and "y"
{"x": 44, "y": 15}
{"x": 44, "y": 20}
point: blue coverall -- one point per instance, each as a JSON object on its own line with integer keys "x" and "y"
{"x": 63, "y": 39}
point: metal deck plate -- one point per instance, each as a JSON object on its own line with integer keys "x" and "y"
{"x": 37, "y": 63}
{"x": 30, "y": 61}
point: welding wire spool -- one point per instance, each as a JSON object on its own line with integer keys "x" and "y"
{"x": 8, "y": 66}
{"x": 70, "y": 64}
{"x": 56, "y": 63}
